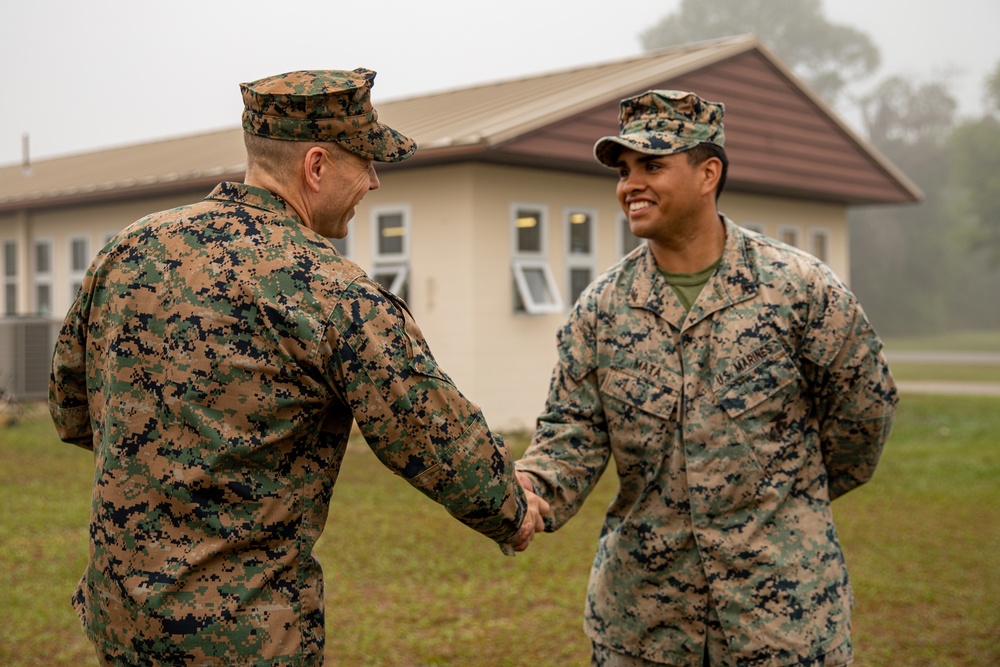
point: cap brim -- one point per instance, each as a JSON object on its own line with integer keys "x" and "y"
{"x": 607, "y": 149}
{"x": 381, "y": 143}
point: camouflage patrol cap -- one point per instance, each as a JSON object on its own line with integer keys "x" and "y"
{"x": 661, "y": 122}
{"x": 323, "y": 105}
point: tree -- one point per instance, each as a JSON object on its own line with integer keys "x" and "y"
{"x": 899, "y": 110}
{"x": 914, "y": 267}
{"x": 827, "y": 55}
{"x": 993, "y": 89}
{"x": 974, "y": 152}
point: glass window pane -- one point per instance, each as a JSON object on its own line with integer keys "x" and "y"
{"x": 10, "y": 308}
{"x": 43, "y": 299}
{"x": 529, "y": 231}
{"x": 579, "y": 234}
{"x": 43, "y": 258}
{"x": 340, "y": 245}
{"x": 578, "y": 281}
{"x": 394, "y": 279}
{"x": 391, "y": 234}
{"x": 790, "y": 236}
{"x": 538, "y": 286}
{"x": 819, "y": 249}
{"x": 535, "y": 290}
{"x": 10, "y": 258}
{"x": 78, "y": 250}
{"x": 384, "y": 278}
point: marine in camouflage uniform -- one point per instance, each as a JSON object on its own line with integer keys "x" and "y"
{"x": 732, "y": 426}
{"x": 214, "y": 362}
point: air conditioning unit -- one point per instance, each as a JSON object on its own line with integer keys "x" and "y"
{"x": 26, "y": 345}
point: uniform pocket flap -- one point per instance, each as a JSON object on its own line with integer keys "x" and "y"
{"x": 645, "y": 393}
{"x": 759, "y": 383}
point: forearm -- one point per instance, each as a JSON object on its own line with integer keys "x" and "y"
{"x": 68, "y": 401}
{"x": 859, "y": 406}
{"x": 473, "y": 479}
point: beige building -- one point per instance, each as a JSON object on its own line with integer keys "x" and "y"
{"x": 496, "y": 224}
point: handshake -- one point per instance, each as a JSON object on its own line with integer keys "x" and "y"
{"x": 533, "y": 519}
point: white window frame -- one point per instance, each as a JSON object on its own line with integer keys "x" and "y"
{"x": 820, "y": 232}
{"x": 579, "y": 260}
{"x": 620, "y": 226}
{"x": 43, "y": 278}
{"x": 402, "y": 257}
{"x": 77, "y": 274}
{"x": 531, "y": 305}
{"x": 397, "y": 263}
{"x": 793, "y": 229}
{"x": 10, "y": 276}
{"x": 543, "y": 215}
{"x": 401, "y": 273}
{"x": 529, "y": 260}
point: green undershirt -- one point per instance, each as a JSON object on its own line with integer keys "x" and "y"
{"x": 687, "y": 286}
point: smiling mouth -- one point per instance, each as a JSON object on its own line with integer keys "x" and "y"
{"x": 638, "y": 206}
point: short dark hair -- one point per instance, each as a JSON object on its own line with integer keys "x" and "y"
{"x": 703, "y": 151}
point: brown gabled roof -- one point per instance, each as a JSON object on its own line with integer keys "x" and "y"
{"x": 781, "y": 138}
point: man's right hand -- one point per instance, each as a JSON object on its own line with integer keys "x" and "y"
{"x": 533, "y": 519}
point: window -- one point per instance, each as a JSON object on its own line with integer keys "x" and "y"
{"x": 10, "y": 277}
{"x": 535, "y": 289}
{"x": 627, "y": 241}
{"x": 580, "y": 258}
{"x": 43, "y": 277}
{"x": 753, "y": 226}
{"x": 392, "y": 250}
{"x": 789, "y": 235}
{"x": 79, "y": 258}
{"x": 343, "y": 246}
{"x": 10, "y": 298}
{"x": 819, "y": 244}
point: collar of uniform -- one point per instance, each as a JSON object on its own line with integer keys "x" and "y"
{"x": 249, "y": 195}
{"x": 732, "y": 282}
{"x": 649, "y": 290}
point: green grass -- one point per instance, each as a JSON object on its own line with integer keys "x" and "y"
{"x": 915, "y": 372}
{"x": 960, "y": 341}
{"x": 407, "y": 585}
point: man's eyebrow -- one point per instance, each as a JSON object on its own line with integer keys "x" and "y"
{"x": 642, "y": 159}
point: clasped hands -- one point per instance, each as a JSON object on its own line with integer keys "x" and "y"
{"x": 533, "y": 519}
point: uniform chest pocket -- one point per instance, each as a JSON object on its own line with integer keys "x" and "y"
{"x": 636, "y": 392}
{"x": 758, "y": 384}
{"x": 640, "y": 420}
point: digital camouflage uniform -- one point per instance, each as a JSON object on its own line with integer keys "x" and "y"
{"x": 214, "y": 361}
{"x": 732, "y": 427}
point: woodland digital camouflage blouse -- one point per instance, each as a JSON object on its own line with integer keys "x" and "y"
{"x": 731, "y": 426}
{"x": 214, "y": 361}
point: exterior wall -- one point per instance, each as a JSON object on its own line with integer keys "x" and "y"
{"x": 461, "y": 280}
